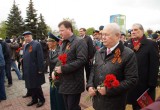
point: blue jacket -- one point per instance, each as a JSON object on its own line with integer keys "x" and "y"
{"x": 2, "y": 61}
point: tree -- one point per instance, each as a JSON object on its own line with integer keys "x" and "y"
{"x": 89, "y": 31}
{"x": 31, "y": 20}
{"x": 3, "y": 27}
{"x": 75, "y": 30}
{"x": 42, "y": 28}
{"x": 15, "y": 24}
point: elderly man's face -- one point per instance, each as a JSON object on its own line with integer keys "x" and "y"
{"x": 109, "y": 38}
{"x": 28, "y": 38}
{"x": 136, "y": 32}
{"x": 51, "y": 44}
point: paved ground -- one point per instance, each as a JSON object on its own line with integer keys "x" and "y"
{"x": 16, "y": 102}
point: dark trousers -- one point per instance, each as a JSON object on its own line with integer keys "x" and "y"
{"x": 87, "y": 69}
{"x": 37, "y": 93}
{"x": 136, "y": 107}
{"x": 71, "y": 101}
{"x": 8, "y": 72}
{"x": 29, "y": 92}
{"x": 2, "y": 87}
{"x": 56, "y": 99}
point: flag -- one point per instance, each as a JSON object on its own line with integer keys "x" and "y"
{"x": 144, "y": 100}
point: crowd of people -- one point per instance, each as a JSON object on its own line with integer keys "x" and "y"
{"x": 118, "y": 70}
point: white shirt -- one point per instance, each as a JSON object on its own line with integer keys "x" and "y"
{"x": 111, "y": 49}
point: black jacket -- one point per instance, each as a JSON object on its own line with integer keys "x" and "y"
{"x": 72, "y": 77}
{"x": 126, "y": 72}
{"x": 6, "y": 52}
{"x": 148, "y": 67}
{"x": 90, "y": 46}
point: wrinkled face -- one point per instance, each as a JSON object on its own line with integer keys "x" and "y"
{"x": 51, "y": 44}
{"x": 64, "y": 32}
{"x": 136, "y": 32}
{"x": 28, "y": 38}
{"x": 81, "y": 32}
{"x": 109, "y": 38}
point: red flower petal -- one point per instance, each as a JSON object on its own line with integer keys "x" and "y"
{"x": 115, "y": 83}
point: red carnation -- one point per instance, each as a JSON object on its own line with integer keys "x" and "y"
{"x": 111, "y": 81}
{"x": 57, "y": 77}
{"x": 63, "y": 58}
{"x": 115, "y": 83}
{"x": 60, "y": 42}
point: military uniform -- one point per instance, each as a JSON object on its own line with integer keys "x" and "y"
{"x": 56, "y": 99}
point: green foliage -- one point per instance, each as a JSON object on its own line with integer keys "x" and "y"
{"x": 31, "y": 20}
{"x": 15, "y": 24}
{"x": 42, "y": 28}
{"x": 89, "y": 31}
{"x": 3, "y": 27}
{"x": 76, "y": 32}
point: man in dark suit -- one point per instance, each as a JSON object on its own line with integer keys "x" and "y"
{"x": 82, "y": 33}
{"x": 33, "y": 69}
{"x": 148, "y": 63}
{"x": 72, "y": 73}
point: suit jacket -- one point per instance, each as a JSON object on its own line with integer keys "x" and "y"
{"x": 126, "y": 72}
{"x": 32, "y": 64}
{"x": 72, "y": 77}
{"x": 148, "y": 67}
{"x": 90, "y": 46}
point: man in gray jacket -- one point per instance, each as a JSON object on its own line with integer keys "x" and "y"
{"x": 72, "y": 73}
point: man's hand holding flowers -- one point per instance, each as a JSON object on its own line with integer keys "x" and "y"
{"x": 101, "y": 90}
{"x": 92, "y": 91}
{"x": 58, "y": 69}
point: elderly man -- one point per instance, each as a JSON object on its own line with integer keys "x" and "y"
{"x": 56, "y": 99}
{"x": 148, "y": 63}
{"x": 72, "y": 73}
{"x": 113, "y": 60}
{"x": 33, "y": 69}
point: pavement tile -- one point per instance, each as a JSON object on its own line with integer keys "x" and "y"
{"x": 17, "y": 90}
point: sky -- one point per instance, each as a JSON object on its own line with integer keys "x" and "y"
{"x": 90, "y": 13}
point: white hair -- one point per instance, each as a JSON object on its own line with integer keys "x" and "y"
{"x": 139, "y": 26}
{"x": 114, "y": 27}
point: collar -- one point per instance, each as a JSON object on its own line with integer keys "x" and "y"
{"x": 142, "y": 41}
{"x": 118, "y": 45}
{"x": 70, "y": 39}
{"x": 111, "y": 49}
{"x": 84, "y": 36}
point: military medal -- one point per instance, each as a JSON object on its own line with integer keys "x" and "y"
{"x": 30, "y": 49}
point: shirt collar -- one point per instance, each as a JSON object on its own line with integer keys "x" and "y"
{"x": 111, "y": 49}
{"x": 71, "y": 38}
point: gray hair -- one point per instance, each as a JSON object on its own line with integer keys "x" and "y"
{"x": 114, "y": 27}
{"x": 139, "y": 26}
